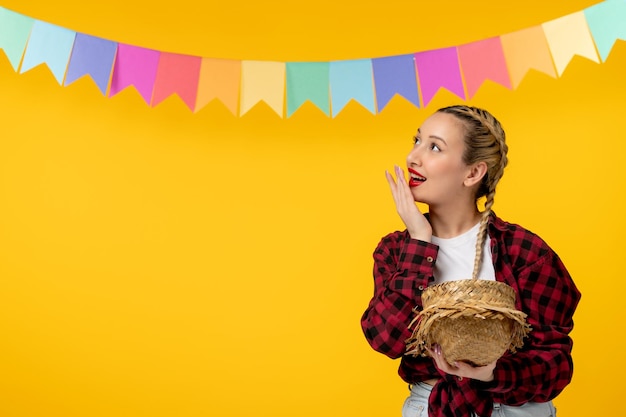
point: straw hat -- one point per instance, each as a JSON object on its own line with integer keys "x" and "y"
{"x": 473, "y": 320}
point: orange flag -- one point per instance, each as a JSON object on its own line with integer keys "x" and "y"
{"x": 219, "y": 78}
{"x": 527, "y": 49}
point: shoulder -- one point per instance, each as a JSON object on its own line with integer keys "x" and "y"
{"x": 517, "y": 241}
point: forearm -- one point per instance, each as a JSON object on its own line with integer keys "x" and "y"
{"x": 385, "y": 323}
{"x": 537, "y": 374}
{"x": 402, "y": 269}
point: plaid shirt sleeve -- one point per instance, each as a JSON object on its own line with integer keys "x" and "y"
{"x": 403, "y": 267}
{"x": 547, "y": 293}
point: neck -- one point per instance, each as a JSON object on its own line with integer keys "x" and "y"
{"x": 451, "y": 222}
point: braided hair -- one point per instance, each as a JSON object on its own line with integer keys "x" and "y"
{"x": 485, "y": 141}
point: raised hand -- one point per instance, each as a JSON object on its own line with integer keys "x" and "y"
{"x": 416, "y": 224}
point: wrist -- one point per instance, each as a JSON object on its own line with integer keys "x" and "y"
{"x": 424, "y": 237}
{"x": 490, "y": 378}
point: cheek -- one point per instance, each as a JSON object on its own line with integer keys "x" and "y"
{"x": 450, "y": 173}
{"x": 443, "y": 167}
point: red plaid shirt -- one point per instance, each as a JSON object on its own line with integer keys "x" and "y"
{"x": 538, "y": 372}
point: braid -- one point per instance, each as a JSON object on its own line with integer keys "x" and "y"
{"x": 485, "y": 140}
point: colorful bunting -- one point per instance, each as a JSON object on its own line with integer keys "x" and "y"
{"x": 262, "y": 80}
{"x": 395, "y": 75}
{"x": 49, "y": 44}
{"x": 437, "y": 69}
{"x": 607, "y": 22}
{"x": 137, "y": 67}
{"x": 219, "y": 78}
{"x": 351, "y": 80}
{"x": 524, "y": 50}
{"x": 568, "y": 36}
{"x": 177, "y": 74}
{"x": 481, "y": 61}
{"x": 91, "y": 56}
{"x": 330, "y": 86}
{"x": 307, "y": 81}
{"x": 14, "y": 32}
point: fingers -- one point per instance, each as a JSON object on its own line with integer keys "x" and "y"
{"x": 402, "y": 192}
{"x": 435, "y": 353}
{"x": 401, "y": 179}
{"x": 441, "y": 362}
{"x": 398, "y": 189}
{"x": 392, "y": 183}
{"x": 461, "y": 369}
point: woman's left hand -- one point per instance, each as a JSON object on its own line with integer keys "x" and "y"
{"x": 462, "y": 369}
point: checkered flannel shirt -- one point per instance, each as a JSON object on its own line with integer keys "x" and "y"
{"x": 403, "y": 268}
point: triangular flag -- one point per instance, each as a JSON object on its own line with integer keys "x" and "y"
{"x": 14, "y": 32}
{"x": 439, "y": 68}
{"x": 352, "y": 79}
{"x": 91, "y": 56}
{"x": 481, "y": 61}
{"x": 177, "y": 74}
{"x": 49, "y": 44}
{"x": 607, "y": 23}
{"x": 137, "y": 67}
{"x": 568, "y": 36}
{"x": 524, "y": 50}
{"x": 262, "y": 80}
{"x": 308, "y": 81}
{"x": 395, "y": 75}
{"x": 221, "y": 79}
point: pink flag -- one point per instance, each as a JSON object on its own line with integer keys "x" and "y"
{"x": 177, "y": 74}
{"x": 436, "y": 69}
{"x": 483, "y": 60}
{"x": 134, "y": 66}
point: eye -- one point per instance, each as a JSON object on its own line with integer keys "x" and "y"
{"x": 435, "y": 147}
{"x": 416, "y": 140}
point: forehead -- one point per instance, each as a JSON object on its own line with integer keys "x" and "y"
{"x": 445, "y": 126}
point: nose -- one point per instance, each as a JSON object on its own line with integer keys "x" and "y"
{"x": 414, "y": 158}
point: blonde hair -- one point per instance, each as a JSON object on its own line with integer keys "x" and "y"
{"x": 485, "y": 141}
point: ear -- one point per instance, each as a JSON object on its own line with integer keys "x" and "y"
{"x": 475, "y": 174}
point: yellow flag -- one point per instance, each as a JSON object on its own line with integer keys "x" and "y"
{"x": 568, "y": 36}
{"x": 262, "y": 80}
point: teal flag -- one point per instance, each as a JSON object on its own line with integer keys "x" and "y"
{"x": 307, "y": 81}
{"x": 14, "y": 32}
{"x": 607, "y": 23}
{"x": 351, "y": 80}
{"x": 49, "y": 44}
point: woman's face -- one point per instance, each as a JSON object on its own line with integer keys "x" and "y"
{"x": 435, "y": 164}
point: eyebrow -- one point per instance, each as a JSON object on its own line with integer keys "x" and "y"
{"x": 433, "y": 137}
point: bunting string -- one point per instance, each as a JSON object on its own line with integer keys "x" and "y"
{"x": 285, "y": 86}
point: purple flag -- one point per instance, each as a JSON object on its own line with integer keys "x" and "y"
{"x": 439, "y": 68}
{"x": 135, "y": 66}
{"x": 395, "y": 75}
{"x": 93, "y": 56}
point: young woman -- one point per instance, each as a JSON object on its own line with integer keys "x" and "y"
{"x": 458, "y": 157}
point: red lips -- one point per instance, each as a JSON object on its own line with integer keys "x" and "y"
{"x": 416, "y": 179}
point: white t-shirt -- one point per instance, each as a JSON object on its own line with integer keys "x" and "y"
{"x": 455, "y": 260}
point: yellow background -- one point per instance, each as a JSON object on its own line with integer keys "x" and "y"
{"x": 156, "y": 262}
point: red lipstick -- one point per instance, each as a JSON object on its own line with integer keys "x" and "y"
{"x": 415, "y": 179}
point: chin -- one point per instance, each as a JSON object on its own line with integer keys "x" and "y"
{"x": 417, "y": 197}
